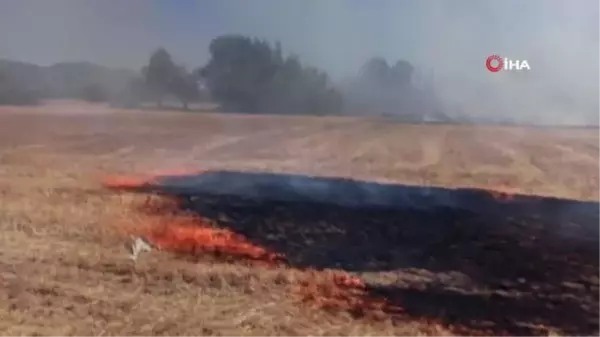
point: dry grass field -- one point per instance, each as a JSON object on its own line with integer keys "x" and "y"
{"x": 64, "y": 267}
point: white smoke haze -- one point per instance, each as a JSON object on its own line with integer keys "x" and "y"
{"x": 449, "y": 39}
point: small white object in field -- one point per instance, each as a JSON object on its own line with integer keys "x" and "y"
{"x": 137, "y": 246}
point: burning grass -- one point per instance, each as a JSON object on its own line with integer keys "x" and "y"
{"x": 168, "y": 225}
{"x": 169, "y": 229}
{"x": 188, "y": 234}
{"x": 333, "y": 291}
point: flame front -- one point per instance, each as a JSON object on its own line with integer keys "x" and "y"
{"x": 171, "y": 230}
{"x": 126, "y": 182}
{"x": 164, "y": 224}
{"x": 342, "y": 291}
{"x": 192, "y": 235}
{"x": 117, "y": 182}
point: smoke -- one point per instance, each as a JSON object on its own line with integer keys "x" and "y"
{"x": 107, "y": 32}
{"x": 450, "y": 41}
{"x": 559, "y": 40}
{"x": 446, "y": 40}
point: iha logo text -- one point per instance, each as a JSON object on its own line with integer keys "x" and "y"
{"x": 496, "y": 63}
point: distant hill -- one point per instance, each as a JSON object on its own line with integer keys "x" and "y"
{"x": 67, "y": 79}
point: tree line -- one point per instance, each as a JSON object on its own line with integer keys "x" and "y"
{"x": 245, "y": 74}
{"x": 12, "y": 93}
{"x": 26, "y": 83}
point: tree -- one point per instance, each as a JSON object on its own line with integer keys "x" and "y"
{"x": 402, "y": 73}
{"x": 160, "y": 74}
{"x": 249, "y": 75}
{"x": 384, "y": 90}
{"x": 376, "y": 70}
{"x": 163, "y": 77}
{"x": 185, "y": 86}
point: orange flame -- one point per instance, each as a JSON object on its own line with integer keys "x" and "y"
{"x": 126, "y": 182}
{"x": 192, "y": 235}
{"x": 123, "y": 182}
{"x": 167, "y": 227}
{"x": 342, "y": 291}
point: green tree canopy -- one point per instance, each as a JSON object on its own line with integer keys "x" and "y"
{"x": 163, "y": 78}
{"x": 184, "y": 86}
{"x": 160, "y": 74}
{"x": 250, "y": 75}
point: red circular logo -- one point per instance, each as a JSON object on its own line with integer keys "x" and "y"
{"x": 494, "y": 59}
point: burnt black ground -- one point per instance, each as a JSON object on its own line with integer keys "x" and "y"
{"x": 530, "y": 260}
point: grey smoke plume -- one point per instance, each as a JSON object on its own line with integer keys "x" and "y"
{"x": 450, "y": 40}
{"x": 447, "y": 40}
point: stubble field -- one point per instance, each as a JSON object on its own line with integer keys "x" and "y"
{"x": 64, "y": 268}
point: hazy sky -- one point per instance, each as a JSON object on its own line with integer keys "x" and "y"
{"x": 452, "y": 38}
